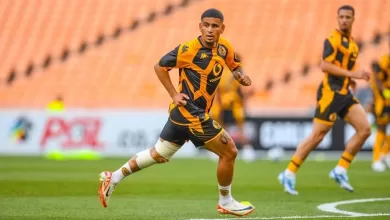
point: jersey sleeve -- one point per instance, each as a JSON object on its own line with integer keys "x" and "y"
{"x": 330, "y": 49}
{"x": 232, "y": 60}
{"x": 176, "y": 58}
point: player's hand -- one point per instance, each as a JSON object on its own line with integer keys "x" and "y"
{"x": 244, "y": 79}
{"x": 353, "y": 85}
{"x": 180, "y": 99}
{"x": 362, "y": 74}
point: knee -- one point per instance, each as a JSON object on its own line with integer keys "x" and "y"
{"x": 364, "y": 133}
{"x": 157, "y": 157}
{"x": 231, "y": 152}
{"x": 163, "y": 151}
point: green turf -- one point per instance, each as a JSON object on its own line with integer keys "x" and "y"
{"x": 35, "y": 188}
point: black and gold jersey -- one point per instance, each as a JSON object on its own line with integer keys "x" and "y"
{"x": 380, "y": 85}
{"x": 382, "y": 73}
{"x": 342, "y": 51}
{"x": 200, "y": 71}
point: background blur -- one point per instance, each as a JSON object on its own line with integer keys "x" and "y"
{"x": 95, "y": 58}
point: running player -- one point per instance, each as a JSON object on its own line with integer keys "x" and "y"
{"x": 200, "y": 63}
{"x": 229, "y": 109}
{"x": 380, "y": 85}
{"x": 335, "y": 100}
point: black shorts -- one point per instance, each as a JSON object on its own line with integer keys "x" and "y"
{"x": 199, "y": 134}
{"x": 331, "y": 105}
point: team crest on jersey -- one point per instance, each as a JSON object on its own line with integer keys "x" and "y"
{"x": 216, "y": 125}
{"x": 222, "y": 51}
{"x": 333, "y": 116}
{"x": 345, "y": 39}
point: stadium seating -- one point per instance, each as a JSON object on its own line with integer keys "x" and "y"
{"x": 105, "y": 68}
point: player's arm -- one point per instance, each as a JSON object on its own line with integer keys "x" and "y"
{"x": 353, "y": 85}
{"x": 334, "y": 70}
{"x": 329, "y": 55}
{"x": 238, "y": 73}
{"x": 166, "y": 63}
{"x": 165, "y": 79}
{"x": 235, "y": 65}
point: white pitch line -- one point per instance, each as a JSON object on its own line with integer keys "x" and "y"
{"x": 331, "y": 207}
{"x": 295, "y": 217}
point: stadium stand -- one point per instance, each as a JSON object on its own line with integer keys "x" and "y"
{"x": 100, "y": 54}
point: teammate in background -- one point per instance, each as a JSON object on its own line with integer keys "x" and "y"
{"x": 335, "y": 100}
{"x": 380, "y": 85}
{"x": 57, "y": 105}
{"x": 200, "y": 63}
{"x": 229, "y": 110}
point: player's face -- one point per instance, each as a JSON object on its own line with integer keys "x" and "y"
{"x": 346, "y": 19}
{"x": 211, "y": 29}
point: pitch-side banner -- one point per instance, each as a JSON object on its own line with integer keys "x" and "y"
{"x": 113, "y": 133}
{"x": 288, "y": 132}
{"x": 124, "y": 133}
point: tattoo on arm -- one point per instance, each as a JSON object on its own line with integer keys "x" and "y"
{"x": 236, "y": 72}
{"x": 224, "y": 138}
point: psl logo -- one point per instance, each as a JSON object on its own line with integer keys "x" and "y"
{"x": 20, "y": 131}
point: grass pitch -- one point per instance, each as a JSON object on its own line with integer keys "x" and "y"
{"x": 35, "y": 188}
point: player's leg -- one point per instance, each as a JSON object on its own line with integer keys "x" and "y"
{"x": 248, "y": 152}
{"x": 380, "y": 121}
{"x": 386, "y": 152}
{"x": 377, "y": 164}
{"x": 287, "y": 177}
{"x": 223, "y": 146}
{"x": 356, "y": 116}
{"x": 325, "y": 115}
{"x": 215, "y": 139}
{"x": 171, "y": 139}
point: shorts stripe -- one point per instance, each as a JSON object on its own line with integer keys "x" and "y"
{"x": 206, "y": 142}
{"x": 323, "y": 121}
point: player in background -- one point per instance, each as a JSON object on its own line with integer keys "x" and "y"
{"x": 200, "y": 63}
{"x": 380, "y": 85}
{"x": 334, "y": 100}
{"x": 229, "y": 110}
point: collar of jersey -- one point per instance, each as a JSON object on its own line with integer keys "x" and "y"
{"x": 204, "y": 45}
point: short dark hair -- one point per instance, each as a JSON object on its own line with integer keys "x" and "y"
{"x": 212, "y": 13}
{"x": 347, "y": 7}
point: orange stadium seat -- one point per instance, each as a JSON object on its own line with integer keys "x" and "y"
{"x": 272, "y": 36}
